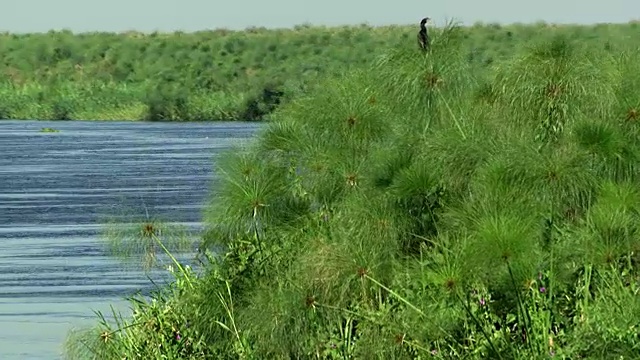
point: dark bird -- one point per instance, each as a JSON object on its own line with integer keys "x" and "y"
{"x": 423, "y": 37}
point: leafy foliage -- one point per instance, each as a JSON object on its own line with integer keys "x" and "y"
{"x": 245, "y": 75}
{"x": 381, "y": 217}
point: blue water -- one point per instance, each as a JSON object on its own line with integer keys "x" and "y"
{"x": 56, "y": 192}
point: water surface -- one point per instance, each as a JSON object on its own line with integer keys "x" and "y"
{"x": 56, "y": 191}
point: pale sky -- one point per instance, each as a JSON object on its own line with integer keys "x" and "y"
{"x": 191, "y": 15}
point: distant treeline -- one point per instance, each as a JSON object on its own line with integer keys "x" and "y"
{"x": 220, "y": 74}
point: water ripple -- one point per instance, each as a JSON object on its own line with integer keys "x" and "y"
{"x": 56, "y": 189}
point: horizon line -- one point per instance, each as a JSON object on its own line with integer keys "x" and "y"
{"x": 307, "y": 25}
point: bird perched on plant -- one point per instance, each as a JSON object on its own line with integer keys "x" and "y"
{"x": 423, "y": 37}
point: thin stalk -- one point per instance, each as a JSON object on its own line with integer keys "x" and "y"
{"x": 395, "y": 294}
{"x": 455, "y": 118}
{"x": 484, "y": 333}
{"x": 523, "y": 309}
{"x": 175, "y": 261}
{"x": 228, "y": 306}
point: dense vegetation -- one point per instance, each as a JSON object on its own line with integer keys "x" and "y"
{"x": 221, "y": 74}
{"x": 414, "y": 209}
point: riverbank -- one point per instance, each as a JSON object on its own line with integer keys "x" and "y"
{"x": 221, "y": 74}
{"x": 416, "y": 209}
{"x": 58, "y": 188}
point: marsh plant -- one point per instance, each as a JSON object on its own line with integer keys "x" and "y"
{"x": 49, "y": 130}
{"x": 149, "y": 244}
{"x": 244, "y": 75}
{"x": 393, "y": 216}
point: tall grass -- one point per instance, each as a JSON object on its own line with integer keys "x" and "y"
{"x": 411, "y": 209}
{"x": 245, "y": 75}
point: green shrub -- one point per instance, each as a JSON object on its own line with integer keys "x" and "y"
{"x": 393, "y": 214}
{"x": 110, "y": 75}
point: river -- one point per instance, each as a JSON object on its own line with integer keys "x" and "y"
{"x": 57, "y": 190}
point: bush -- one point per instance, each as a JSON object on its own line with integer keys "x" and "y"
{"x": 393, "y": 214}
{"x": 109, "y": 75}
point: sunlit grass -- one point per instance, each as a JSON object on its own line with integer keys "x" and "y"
{"x": 244, "y": 75}
{"x": 389, "y": 215}
{"x": 135, "y": 111}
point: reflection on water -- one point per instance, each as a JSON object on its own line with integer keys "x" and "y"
{"x": 56, "y": 189}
